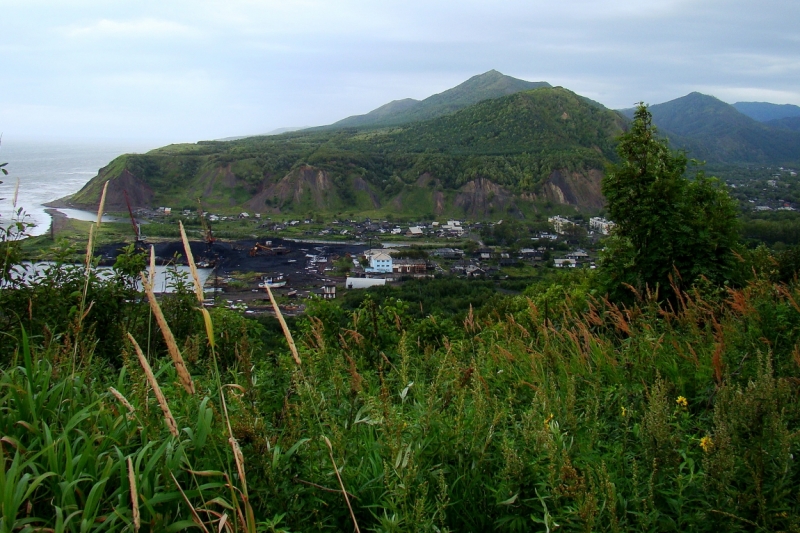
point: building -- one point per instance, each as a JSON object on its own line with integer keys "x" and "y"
{"x": 560, "y": 224}
{"x": 409, "y": 266}
{"x": 565, "y": 263}
{"x": 448, "y": 253}
{"x": 601, "y": 225}
{"x": 578, "y": 255}
{"x": 379, "y": 262}
{"x": 363, "y": 283}
{"x": 329, "y": 291}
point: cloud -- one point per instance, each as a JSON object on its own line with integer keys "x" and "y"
{"x": 143, "y": 27}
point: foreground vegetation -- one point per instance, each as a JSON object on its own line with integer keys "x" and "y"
{"x": 552, "y": 409}
{"x": 574, "y": 412}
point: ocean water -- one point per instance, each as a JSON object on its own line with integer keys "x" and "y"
{"x": 48, "y": 171}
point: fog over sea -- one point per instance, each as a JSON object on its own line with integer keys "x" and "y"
{"x": 48, "y": 171}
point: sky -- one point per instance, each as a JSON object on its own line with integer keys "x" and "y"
{"x": 172, "y": 71}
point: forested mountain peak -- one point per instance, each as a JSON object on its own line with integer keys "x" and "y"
{"x": 489, "y": 85}
{"x": 712, "y": 130}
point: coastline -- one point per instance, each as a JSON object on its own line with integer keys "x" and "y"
{"x": 60, "y": 203}
{"x": 58, "y": 220}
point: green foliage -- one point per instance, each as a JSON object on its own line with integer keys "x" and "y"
{"x": 551, "y": 408}
{"x": 670, "y": 230}
{"x": 713, "y": 130}
{"x": 515, "y": 141}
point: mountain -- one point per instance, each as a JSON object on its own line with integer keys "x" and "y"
{"x": 764, "y": 111}
{"x": 786, "y": 123}
{"x": 485, "y": 86}
{"x": 710, "y": 129}
{"x": 499, "y": 157}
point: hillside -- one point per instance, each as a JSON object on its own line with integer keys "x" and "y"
{"x": 486, "y": 86}
{"x": 765, "y": 112}
{"x": 712, "y": 130}
{"x": 494, "y": 158}
{"x": 785, "y": 123}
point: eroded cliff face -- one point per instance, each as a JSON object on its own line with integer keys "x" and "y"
{"x": 481, "y": 197}
{"x": 140, "y": 194}
{"x": 573, "y": 188}
{"x": 359, "y": 184}
{"x": 303, "y": 185}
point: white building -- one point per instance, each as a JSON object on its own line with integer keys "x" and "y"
{"x": 600, "y": 224}
{"x": 380, "y": 262}
{"x": 565, "y": 263}
{"x": 560, "y": 224}
{"x": 363, "y": 283}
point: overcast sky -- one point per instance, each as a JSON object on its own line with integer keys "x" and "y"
{"x": 163, "y": 71}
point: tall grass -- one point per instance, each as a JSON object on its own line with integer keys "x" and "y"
{"x": 578, "y": 416}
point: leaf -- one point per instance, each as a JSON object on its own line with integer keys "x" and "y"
{"x": 510, "y": 501}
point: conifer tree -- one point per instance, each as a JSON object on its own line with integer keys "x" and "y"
{"x": 667, "y": 225}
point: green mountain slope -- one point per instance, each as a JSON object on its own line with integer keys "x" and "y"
{"x": 786, "y": 123}
{"x": 710, "y": 129}
{"x": 764, "y": 111}
{"x": 485, "y": 86}
{"x": 496, "y": 157}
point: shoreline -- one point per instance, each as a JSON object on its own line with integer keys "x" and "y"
{"x": 58, "y": 221}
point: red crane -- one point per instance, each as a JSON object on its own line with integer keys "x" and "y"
{"x": 137, "y": 230}
{"x": 209, "y": 237}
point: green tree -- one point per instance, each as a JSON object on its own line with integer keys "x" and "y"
{"x": 667, "y": 225}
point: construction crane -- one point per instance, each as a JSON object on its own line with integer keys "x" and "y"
{"x": 207, "y": 235}
{"x": 266, "y": 248}
{"x": 137, "y": 229}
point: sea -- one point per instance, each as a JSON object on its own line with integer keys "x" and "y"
{"x": 48, "y": 171}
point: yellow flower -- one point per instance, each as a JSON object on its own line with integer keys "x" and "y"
{"x": 548, "y": 419}
{"x": 706, "y": 443}
{"x": 624, "y": 411}
{"x": 682, "y": 401}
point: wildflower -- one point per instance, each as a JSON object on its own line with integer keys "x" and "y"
{"x": 682, "y": 401}
{"x": 548, "y": 419}
{"x": 706, "y": 443}
{"x": 624, "y": 411}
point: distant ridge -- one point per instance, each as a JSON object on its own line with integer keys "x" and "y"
{"x": 765, "y": 112}
{"x": 486, "y": 86}
{"x": 786, "y": 123}
{"x": 710, "y": 129}
{"x": 273, "y": 132}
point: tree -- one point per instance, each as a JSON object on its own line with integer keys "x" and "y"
{"x": 668, "y": 227}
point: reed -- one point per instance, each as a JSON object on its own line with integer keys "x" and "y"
{"x": 198, "y": 287}
{"x": 284, "y": 327}
{"x": 151, "y": 379}
{"x": 341, "y": 483}
{"x": 124, "y": 401}
{"x": 137, "y": 521}
{"x": 169, "y": 339}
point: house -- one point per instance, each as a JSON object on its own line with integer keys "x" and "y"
{"x": 485, "y": 253}
{"x": 380, "y": 262}
{"x": 329, "y": 291}
{"x": 578, "y": 255}
{"x": 414, "y": 231}
{"x": 363, "y": 283}
{"x": 565, "y": 263}
{"x": 409, "y": 266}
{"x": 473, "y": 271}
{"x": 448, "y": 253}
